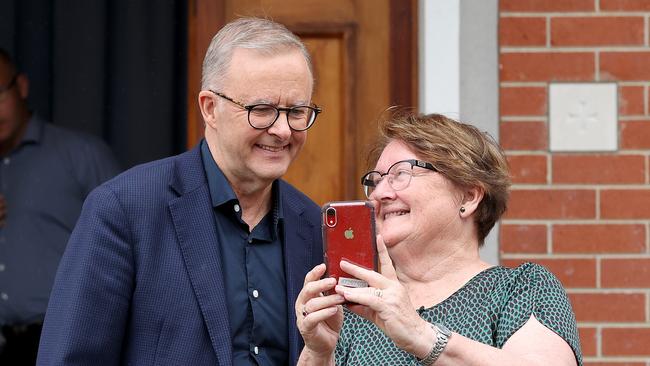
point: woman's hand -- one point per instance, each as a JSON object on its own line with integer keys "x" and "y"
{"x": 387, "y": 304}
{"x": 319, "y": 317}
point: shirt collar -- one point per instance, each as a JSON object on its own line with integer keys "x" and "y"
{"x": 221, "y": 192}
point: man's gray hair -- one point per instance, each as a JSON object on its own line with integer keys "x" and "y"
{"x": 263, "y": 35}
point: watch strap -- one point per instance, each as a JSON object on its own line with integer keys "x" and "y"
{"x": 438, "y": 347}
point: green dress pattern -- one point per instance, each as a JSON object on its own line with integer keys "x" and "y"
{"x": 489, "y": 309}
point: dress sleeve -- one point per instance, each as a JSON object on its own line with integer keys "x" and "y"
{"x": 536, "y": 291}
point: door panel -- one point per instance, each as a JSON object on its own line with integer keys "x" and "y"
{"x": 363, "y": 53}
{"x": 316, "y": 171}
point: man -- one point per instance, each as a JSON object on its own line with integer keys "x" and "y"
{"x": 197, "y": 259}
{"x": 45, "y": 174}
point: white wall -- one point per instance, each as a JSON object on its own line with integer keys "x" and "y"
{"x": 459, "y": 69}
{"x": 439, "y": 67}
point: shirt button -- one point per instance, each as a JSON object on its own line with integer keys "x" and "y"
{"x": 2, "y": 267}
{"x": 256, "y": 350}
{"x": 6, "y": 161}
{"x": 250, "y": 241}
{"x": 256, "y": 294}
{"x": 236, "y": 207}
{"x": 4, "y": 296}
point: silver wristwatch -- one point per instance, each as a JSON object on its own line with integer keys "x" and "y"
{"x": 442, "y": 337}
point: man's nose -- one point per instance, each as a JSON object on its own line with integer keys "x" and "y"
{"x": 281, "y": 126}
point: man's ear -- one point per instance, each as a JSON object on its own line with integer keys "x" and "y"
{"x": 471, "y": 199}
{"x": 22, "y": 83}
{"x": 208, "y": 107}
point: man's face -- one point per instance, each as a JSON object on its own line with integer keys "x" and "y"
{"x": 247, "y": 155}
{"x": 12, "y": 104}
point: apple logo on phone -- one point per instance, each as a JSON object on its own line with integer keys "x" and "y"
{"x": 349, "y": 233}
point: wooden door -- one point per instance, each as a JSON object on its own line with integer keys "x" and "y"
{"x": 364, "y": 56}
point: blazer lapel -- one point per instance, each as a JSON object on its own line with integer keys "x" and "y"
{"x": 195, "y": 229}
{"x": 297, "y": 253}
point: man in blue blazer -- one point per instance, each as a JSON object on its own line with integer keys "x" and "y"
{"x": 197, "y": 259}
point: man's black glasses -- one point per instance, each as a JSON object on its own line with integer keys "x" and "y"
{"x": 262, "y": 116}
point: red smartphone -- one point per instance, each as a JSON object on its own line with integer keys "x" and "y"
{"x": 349, "y": 233}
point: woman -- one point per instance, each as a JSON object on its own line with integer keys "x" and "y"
{"x": 438, "y": 188}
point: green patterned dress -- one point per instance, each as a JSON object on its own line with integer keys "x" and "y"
{"x": 489, "y": 308}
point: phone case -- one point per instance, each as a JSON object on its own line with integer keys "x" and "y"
{"x": 349, "y": 233}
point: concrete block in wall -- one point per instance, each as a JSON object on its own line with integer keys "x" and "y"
{"x": 583, "y": 117}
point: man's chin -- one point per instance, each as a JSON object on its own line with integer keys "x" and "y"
{"x": 269, "y": 173}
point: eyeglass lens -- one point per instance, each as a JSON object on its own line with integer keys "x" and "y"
{"x": 399, "y": 177}
{"x": 5, "y": 89}
{"x": 264, "y": 115}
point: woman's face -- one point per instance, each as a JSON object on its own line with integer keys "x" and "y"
{"x": 426, "y": 210}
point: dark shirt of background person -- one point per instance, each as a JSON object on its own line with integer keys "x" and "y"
{"x": 46, "y": 172}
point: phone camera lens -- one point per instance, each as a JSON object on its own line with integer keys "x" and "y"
{"x": 330, "y": 217}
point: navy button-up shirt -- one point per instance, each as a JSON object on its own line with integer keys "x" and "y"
{"x": 253, "y": 273}
{"x": 44, "y": 180}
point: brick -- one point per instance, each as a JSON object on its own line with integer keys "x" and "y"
{"x": 610, "y": 307}
{"x": 547, "y": 66}
{"x": 522, "y": 239}
{"x": 635, "y": 134}
{"x": 523, "y": 135}
{"x": 552, "y": 204}
{"x": 624, "y": 5}
{"x": 571, "y": 272}
{"x": 630, "y": 101}
{"x": 625, "y": 273}
{"x": 523, "y": 101}
{"x": 527, "y": 169}
{"x": 622, "y": 238}
{"x": 546, "y": 5}
{"x": 522, "y": 31}
{"x": 597, "y": 31}
{"x": 625, "y": 204}
{"x": 598, "y": 169}
{"x": 626, "y": 341}
{"x": 588, "y": 340}
{"x": 625, "y": 66}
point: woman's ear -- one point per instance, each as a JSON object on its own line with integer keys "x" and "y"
{"x": 471, "y": 199}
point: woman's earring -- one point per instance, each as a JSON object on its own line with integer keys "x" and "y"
{"x": 462, "y": 209}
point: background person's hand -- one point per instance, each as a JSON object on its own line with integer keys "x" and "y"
{"x": 3, "y": 210}
{"x": 319, "y": 317}
{"x": 386, "y": 302}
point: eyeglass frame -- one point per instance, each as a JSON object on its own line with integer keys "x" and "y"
{"x": 413, "y": 162}
{"x": 249, "y": 107}
{"x": 11, "y": 84}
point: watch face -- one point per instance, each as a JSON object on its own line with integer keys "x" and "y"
{"x": 444, "y": 330}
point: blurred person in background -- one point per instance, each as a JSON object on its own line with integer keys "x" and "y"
{"x": 46, "y": 172}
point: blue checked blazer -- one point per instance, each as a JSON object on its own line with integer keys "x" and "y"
{"x": 141, "y": 282}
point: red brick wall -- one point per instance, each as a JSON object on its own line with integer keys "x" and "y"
{"x": 586, "y": 216}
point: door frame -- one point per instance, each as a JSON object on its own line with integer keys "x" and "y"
{"x": 205, "y": 17}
